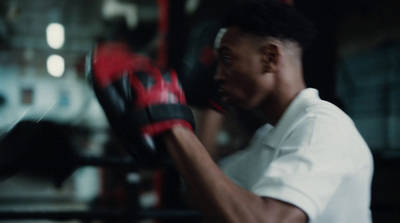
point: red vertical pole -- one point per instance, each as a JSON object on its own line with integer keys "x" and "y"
{"x": 290, "y": 2}
{"x": 162, "y": 59}
{"x": 163, "y": 25}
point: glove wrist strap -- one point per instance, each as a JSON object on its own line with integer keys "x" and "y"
{"x": 160, "y": 113}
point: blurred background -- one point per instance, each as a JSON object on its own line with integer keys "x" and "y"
{"x": 60, "y": 162}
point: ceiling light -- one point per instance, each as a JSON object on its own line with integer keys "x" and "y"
{"x": 55, "y": 35}
{"x": 55, "y": 65}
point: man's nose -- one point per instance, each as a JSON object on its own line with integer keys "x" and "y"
{"x": 218, "y": 77}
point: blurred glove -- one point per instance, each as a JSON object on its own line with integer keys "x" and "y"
{"x": 140, "y": 100}
{"x": 199, "y": 67}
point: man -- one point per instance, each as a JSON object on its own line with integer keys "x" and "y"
{"x": 307, "y": 164}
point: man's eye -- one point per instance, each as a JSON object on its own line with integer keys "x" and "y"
{"x": 225, "y": 60}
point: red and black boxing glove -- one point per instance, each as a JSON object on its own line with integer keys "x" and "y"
{"x": 140, "y": 100}
{"x": 199, "y": 68}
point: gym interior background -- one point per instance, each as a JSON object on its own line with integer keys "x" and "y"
{"x": 60, "y": 162}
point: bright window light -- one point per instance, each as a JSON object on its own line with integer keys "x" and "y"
{"x": 55, "y": 65}
{"x": 55, "y": 35}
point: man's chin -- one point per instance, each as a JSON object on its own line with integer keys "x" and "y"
{"x": 236, "y": 104}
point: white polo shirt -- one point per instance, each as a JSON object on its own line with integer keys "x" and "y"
{"x": 314, "y": 158}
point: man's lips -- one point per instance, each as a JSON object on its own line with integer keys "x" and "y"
{"x": 223, "y": 93}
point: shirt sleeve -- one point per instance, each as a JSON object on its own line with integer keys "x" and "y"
{"x": 309, "y": 166}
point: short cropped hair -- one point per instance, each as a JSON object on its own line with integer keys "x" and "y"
{"x": 270, "y": 18}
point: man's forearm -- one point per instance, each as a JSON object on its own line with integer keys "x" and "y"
{"x": 208, "y": 128}
{"x": 216, "y": 195}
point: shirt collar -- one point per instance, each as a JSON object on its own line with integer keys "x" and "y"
{"x": 291, "y": 116}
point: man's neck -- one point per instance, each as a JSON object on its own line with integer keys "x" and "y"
{"x": 275, "y": 109}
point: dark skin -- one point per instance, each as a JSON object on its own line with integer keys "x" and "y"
{"x": 208, "y": 127}
{"x": 268, "y": 74}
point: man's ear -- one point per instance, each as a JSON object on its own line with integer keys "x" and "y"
{"x": 270, "y": 57}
